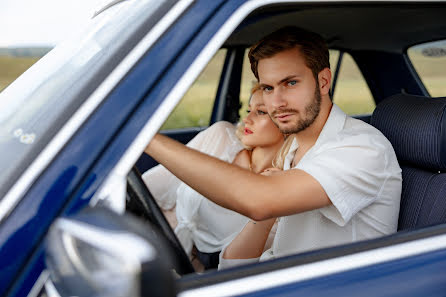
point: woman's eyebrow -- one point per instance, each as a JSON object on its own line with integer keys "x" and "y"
{"x": 262, "y": 85}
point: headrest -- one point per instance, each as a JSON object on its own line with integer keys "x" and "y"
{"x": 416, "y": 127}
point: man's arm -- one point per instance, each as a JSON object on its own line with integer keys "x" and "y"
{"x": 255, "y": 196}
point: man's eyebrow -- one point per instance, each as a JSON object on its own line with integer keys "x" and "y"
{"x": 288, "y": 78}
{"x": 263, "y": 85}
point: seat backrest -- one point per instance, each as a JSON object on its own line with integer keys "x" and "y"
{"x": 416, "y": 127}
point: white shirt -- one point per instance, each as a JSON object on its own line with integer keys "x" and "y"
{"x": 358, "y": 169}
{"x": 200, "y": 221}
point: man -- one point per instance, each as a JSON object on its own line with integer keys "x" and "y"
{"x": 345, "y": 182}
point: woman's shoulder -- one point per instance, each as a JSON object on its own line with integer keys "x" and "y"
{"x": 222, "y": 125}
{"x": 222, "y": 130}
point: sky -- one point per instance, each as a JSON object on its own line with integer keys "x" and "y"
{"x": 42, "y": 22}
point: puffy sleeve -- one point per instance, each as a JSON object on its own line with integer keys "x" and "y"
{"x": 219, "y": 140}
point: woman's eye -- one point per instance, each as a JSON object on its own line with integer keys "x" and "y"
{"x": 292, "y": 82}
{"x": 267, "y": 89}
{"x": 261, "y": 112}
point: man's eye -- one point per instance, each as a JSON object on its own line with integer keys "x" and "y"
{"x": 292, "y": 82}
{"x": 261, "y": 112}
{"x": 248, "y": 111}
{"x": 267, "y": 89}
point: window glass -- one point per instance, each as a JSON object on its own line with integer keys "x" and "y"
{"x": 429, "y": 61}
{"x": 195, "y": 109}
{"x": 351, "y": 92}
{"x": 37, "y": 104}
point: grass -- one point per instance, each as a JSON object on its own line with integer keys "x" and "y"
{"x": 351, "y": 94}
{"x": 12, "y": 67}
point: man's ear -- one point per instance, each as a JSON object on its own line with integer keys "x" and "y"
{"x": 324, "y": 81}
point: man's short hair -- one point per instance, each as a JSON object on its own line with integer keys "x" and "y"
{"x": 311, "y": 45}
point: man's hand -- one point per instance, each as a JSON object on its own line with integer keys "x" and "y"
{"x": 270, "y": 171}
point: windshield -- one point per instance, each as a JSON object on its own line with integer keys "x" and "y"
{"x": 39, "y": 103}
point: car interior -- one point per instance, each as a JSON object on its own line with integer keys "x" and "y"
{"x": 377, "y": 39}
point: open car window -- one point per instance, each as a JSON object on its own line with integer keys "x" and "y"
{"x": 429, "y": 61}
{"x": 195, "y": 109}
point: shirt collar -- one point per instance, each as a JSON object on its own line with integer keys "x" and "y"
{"x": 335, "y": 122}
{"x": 333, "y": 125}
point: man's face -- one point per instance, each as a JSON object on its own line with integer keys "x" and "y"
{"x": 290, "y": 92}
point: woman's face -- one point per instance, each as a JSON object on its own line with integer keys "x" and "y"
{"x": 259, "y": 130}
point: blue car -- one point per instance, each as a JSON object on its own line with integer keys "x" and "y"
{"x": 75, "y": 218}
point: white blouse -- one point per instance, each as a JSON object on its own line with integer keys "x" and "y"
{"x": 200, "y": 221}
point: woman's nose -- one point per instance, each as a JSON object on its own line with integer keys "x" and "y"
{"x": 247, "y": 119}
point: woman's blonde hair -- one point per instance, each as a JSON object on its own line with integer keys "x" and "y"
{"x": 279, "y": 159}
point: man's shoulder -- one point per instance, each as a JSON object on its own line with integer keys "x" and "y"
{"x": 356, "y": 127}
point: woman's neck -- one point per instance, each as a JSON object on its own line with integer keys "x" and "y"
{"x": 262, "y": 157}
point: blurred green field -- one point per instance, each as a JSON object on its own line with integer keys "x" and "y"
{"x": 195, "y": 109}
{"x": 11, "y": 67}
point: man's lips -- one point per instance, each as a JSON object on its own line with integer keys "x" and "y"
{"x": 283, "y": 116}
{"x": 247, "y": 131}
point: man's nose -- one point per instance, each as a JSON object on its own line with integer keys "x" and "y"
{"x": 278, "y": 100}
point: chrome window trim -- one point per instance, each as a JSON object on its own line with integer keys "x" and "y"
{"x": 285, "y": 276}
{"x": 56, "y": 144}
{"x": 305, "y": 272}
{"x": 39, "y": 284}
{"x": 51, "y": 289}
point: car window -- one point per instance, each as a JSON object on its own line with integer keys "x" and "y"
{"x": 36, "y": 105}
{"x": 350, "y": 92}
{"x": 429, "y": 61}
{"x": 195, "y": 108}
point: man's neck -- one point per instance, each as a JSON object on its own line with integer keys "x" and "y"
{"x": 308, "y": 137}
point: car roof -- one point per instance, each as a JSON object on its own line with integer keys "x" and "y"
{"x": 380, "y": 26}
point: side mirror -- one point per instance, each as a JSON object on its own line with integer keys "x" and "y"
{"x": 101, "y": 253}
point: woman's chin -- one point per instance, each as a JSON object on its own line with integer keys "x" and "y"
{"x": 248, "y": 144}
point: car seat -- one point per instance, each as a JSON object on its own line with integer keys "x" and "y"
{"x": 416, "y": 127}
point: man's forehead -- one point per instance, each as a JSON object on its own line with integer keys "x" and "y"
{"x": 282, "y": 65}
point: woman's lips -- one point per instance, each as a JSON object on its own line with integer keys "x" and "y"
{"x": 247, "y": 131}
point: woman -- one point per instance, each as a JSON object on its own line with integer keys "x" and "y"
{"x": 202, "y": 223}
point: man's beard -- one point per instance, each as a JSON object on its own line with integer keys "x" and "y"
{"x": 311, "y": 112}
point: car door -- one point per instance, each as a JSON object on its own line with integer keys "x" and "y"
{"x": 144, "y": 99}
{"x": 76, "y": 170}
{"x": 376, "y": 265}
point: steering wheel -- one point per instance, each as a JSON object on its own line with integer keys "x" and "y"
{"x": 142, "y": 201}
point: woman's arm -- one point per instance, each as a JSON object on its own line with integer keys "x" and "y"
{"x": 250, "y": 242}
